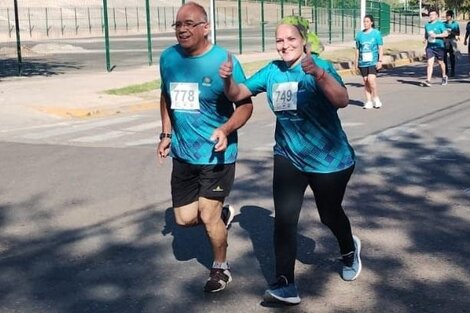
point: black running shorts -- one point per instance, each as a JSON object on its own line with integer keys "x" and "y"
{"x": 365, "y": 71}
{"x": 190, "y": 181}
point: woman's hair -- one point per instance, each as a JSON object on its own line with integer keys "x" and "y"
{"x": 450, "y": 13}
{"x": 371, "y": 18}
{"x": 303, "y": 26}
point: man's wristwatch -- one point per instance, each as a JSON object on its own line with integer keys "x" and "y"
{"x": 165, "y": 135}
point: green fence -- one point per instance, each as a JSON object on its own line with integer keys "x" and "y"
{"x": 71, "y": 37}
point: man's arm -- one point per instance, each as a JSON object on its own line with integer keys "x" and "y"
{"x": 165, "y": 140}
{"x": 240, "y": 116}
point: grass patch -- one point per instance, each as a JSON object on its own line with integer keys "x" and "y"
{"x": 134, "y": 89}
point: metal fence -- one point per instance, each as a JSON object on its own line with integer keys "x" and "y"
{"x": 61, "y": 39}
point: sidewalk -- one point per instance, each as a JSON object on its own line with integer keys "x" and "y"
{"x": 29, "y": 100}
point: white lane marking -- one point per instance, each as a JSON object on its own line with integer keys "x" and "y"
{"x": 101, "y": 137}
{"x": 351, "y": 124}
{"x": 145, "y": 126}
{"x": 142, "y": 142}
{"x": 78, "y": 128}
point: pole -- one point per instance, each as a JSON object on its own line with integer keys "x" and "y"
{"x": 420, "y": 17}
{"x": 149, "y": 32}
{"x": 106, "y": 35}
{"x": 212, "y": 14}
{"x": 363, "y": 13}
{"x": 18, "y": 40}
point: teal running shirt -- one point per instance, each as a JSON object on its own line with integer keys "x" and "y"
{"x": 437, "y": 27}
{"x": 194, "y": 93}
{"x": 368, "y": 45}
{"x": 308, "y": 130}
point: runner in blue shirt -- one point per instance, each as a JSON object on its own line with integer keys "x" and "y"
{"x": 368, "y": 58}
{"x": 199, "y": 126}
{"x": 434, "y": 34}
{"x": 311, "y": 149}
{"x": 453, "y": 29}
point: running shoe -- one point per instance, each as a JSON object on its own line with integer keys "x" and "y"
{"x": 352, "y": 264}
{"x": 368, "y": 105}
{"x": 283, "y": 292}
{"x": 218, "y": 280}
{"x": 377, "y": 103}
{"x": 444, "y": 80}
{"x": 228, "y": 213}
{"x": 425, "y": 83}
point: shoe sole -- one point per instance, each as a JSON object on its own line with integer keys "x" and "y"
{"x": 357, "y": 243}
{"x": 231, "y": 216}
{"x": 269, "y": 297}
{"x": 424, "y": 84}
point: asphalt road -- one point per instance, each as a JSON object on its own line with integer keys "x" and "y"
{"x": 86, "y": 224}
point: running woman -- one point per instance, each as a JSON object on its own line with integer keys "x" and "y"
{"x": 368, "y": 58}
{"x": 311, "y": 149}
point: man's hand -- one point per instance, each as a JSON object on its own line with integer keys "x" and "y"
{"x": 219, "y": 137}
{"x": 163, "y": 149}
{"x": 225, "y": 70}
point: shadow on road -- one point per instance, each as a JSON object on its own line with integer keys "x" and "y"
{"x": 410, "y": 207}
{"x": 35, "y": 67}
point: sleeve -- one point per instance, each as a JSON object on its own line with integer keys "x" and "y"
{"x": 257, "y": 83}
{"x": 358, "y": 44}
{"x": 380, "y": 40}
{"x": 238, "y": 74}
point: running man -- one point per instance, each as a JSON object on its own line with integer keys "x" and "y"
{"x": 453, "y": 30}
{"x": 434, "y": 33}
{"x": 199, "y": 128}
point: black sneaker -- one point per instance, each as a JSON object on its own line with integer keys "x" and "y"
{"x": 228, "y": 213}
{"x": 218, "y": 280}
{"x": 444, "y": 80}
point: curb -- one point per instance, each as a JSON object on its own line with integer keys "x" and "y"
{"x": 83, "y": 113}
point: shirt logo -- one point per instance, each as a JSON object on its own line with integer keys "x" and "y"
{"x": 207, "y": 81}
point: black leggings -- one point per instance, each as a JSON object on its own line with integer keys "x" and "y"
{"x": 289, "y": 185}
{"x": 449, "y": 51}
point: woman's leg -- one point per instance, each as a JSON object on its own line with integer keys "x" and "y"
{"x": 329, "y": 192}
{"x": 289, "y": 186}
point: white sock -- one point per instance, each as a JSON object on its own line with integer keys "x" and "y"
{"x": 222, "y": 265}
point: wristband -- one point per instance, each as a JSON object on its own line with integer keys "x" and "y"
{"x": 321, "y": 76}
{"x": 165, "y": 135}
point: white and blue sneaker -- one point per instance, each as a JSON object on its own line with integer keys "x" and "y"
{"x": 282, "y": 291}
{"x": 352, "y": 262}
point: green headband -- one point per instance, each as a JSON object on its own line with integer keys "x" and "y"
{"x": 302, "y": 25}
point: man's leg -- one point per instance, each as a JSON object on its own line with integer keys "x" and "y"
{"x": 187, "y": 215}
{"x": 452, "y": 62}
{"x": 430, "y": 69}
{"x": 210, "y": 214}
{"x": 446, "y": 61}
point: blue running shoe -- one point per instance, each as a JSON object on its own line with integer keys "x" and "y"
{"x": 282, "y": 291}
{"x": 352, "y": 262}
